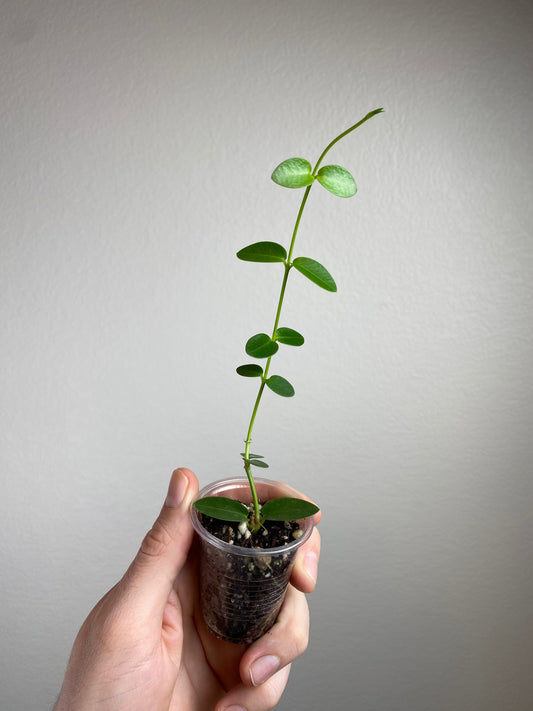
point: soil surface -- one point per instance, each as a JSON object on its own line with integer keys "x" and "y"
{"x": 271, "y": 535}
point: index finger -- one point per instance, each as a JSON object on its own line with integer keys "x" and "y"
{"x": 305, "y": 570}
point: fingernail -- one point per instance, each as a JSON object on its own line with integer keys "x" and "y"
{"x": 263, "y": 668}
{"x": 176, "y": 490}
{"x": 234, "y": 708}
{"x": 311, "y": 564}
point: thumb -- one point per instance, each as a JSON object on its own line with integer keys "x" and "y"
{"x": 165, "y": 547}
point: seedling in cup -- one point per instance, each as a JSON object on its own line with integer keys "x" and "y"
{"x": 293, "y": 173}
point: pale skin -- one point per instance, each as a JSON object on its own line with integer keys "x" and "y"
{"x": 144, "y": 647}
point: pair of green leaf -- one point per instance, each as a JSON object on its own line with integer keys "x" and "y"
{"x": 274, "y": 252}
{"x": 276, "y": 383}
{"x": 257, "y": 460}
{"x": 262, "y": 346}
{"x": 297, "y": 173}
{"x": 282, "y": 509}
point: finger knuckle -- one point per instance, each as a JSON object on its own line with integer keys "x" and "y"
{"x": 300, "y": 639}
{"x": 156, "y": 541}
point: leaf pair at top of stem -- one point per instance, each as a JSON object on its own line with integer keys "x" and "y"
{"x": 297, "y": 173}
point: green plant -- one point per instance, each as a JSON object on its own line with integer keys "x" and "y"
{"x": 291, "y": 173}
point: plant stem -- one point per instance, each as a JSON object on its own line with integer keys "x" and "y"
{"x": 344, "y": 133}
{"x": 247, "y": 465}
{"x": 288, "y": 265}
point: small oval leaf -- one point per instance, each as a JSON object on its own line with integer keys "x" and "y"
{"x": 289, "y": 337}
{"x": 280, "y": 386}
{"x": 293, "y": 173}
{"x": 337, "y": 180}
{"x": 263, "y": 252}
{"x": 252, "y": 456}
{"x": 288, "y": 509}
{"x": 261, "y": 346}
{"x": 314, "y": 271}
{"x": 250, "y": 370}
{"x": 258, "y": 463}
{"x": 221, "y": 508}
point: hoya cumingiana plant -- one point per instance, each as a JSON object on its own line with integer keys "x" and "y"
{"x": 294, "y": 173}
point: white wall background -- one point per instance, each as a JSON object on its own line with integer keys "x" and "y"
{"x": 137, "y": 143}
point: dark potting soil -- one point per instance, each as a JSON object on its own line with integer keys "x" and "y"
{"x": 242, "y": 594}
{"x": 271, "y": 535}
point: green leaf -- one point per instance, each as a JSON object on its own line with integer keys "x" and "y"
{"x": 337, "y": 180}
{"x": 288, "y": 509}
{"x": 258, "y": 463}
{"x": 255, "y": 460}
{"x": 261, "y": 346}
{"x": 280, "y": 386}
{"x": 293, "y": 173}
{"x": 250, "y": 370}
{"x": 221, "y": 508}
{"x": 315, "y": 272}
{"x": 289, "y": 337}
{"x": 263, "y": 252}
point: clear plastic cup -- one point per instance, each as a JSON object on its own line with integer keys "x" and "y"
{"x": 241, "y": 589}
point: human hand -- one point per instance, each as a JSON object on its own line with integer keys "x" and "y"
{"x": 145, "y": 647}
